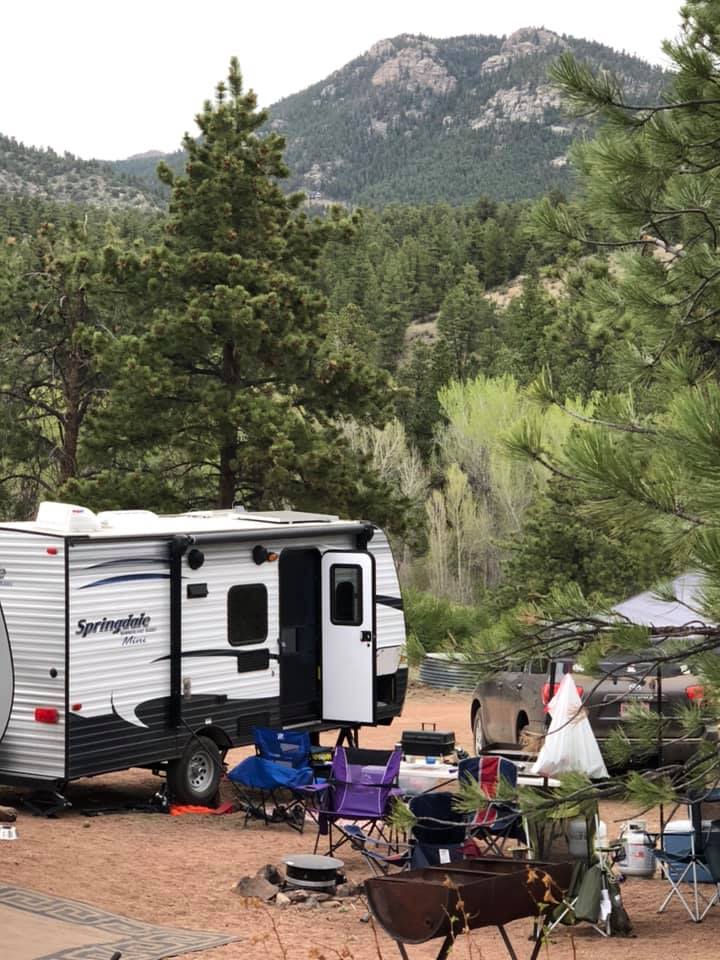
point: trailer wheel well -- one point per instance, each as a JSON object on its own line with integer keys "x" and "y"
{"x": 218, "y": 736}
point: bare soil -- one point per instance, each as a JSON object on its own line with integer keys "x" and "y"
{"x": 181, "y": 871}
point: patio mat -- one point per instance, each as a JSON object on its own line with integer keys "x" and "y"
{"x": 39, "y": 926}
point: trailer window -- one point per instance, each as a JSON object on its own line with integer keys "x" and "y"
{"x": 346, "y": 595}
{"x": 247, "y": 614}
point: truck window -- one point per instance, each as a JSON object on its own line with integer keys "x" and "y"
{"x": 247, "y": 614}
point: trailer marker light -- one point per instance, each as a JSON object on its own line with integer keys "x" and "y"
{"x": 46, "y": 714}
{"x": 76, "y": 707}
{"x": 52, "y": 551}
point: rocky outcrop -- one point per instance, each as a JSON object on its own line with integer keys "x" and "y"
{"x": 415, "y": 67}
{"x": 523, "y": 43}
{"x": 518, "y": 105}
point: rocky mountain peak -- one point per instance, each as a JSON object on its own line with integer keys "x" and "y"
{"x": 414, "y": 66}
{"x": 526, "y": 42}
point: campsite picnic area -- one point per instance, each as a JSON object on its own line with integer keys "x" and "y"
{"x": 182, "y": 872}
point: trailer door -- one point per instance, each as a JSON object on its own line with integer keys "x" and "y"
{"x": 348, "y": 637}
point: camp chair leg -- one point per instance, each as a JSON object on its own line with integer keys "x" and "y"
{"x": 696, "y": 914}
{"x": 446, "y": 947}
{"x": 509, "y": 946}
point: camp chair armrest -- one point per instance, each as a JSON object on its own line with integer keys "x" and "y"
{"x": 314, "y": 789}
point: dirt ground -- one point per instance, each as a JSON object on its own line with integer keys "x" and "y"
{"x": 181, "y": 871}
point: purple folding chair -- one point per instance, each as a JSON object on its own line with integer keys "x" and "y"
{"x": 361, "y": 788}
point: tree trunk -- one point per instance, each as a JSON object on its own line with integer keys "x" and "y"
{"x": 228, "y": 476}
{"x": 72, "y": 416}
{"x": 228, "y": 442}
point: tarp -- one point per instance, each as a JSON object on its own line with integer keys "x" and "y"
{"x": 570, "y": 745}
{"x": 649, "y": 610}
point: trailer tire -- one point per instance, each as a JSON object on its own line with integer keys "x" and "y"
{"x": 194, "y": 778}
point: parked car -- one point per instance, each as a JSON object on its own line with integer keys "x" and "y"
{"x": 506, "y": 710}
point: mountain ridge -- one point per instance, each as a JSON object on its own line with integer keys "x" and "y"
{"x": 413, "y": 119}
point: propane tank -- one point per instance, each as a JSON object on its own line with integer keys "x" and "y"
{"x": 577, "y": 837}
{"x": 638, "y": 859}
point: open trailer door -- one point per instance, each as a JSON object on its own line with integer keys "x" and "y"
{"x": 348, "y": 637}
{"x": 7, "y": 677}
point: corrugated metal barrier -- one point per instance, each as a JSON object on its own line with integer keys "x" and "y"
{"x": 444, "y": 671}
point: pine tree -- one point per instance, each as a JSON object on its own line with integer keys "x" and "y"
{"x": 647, "y": 461}
{"x": 229, "y": 388}
{"x": 464, "y": 315}
{"x": 54, "y": 296}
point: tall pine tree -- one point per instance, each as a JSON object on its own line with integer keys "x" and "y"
{"x": 647, "y": 461}
{"x": 229, "y": 387}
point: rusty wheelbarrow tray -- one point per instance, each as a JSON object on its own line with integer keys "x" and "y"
{"x": 420, "y": 905}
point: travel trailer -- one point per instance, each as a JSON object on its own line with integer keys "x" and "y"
{"x": 131, "y": 639}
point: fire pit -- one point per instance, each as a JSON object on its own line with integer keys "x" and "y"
{"x": 311, "y": 871}
{"x": 419, "y": 905}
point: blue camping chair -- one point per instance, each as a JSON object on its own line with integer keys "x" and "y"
{"x": 281, "y": 763}
{"x": 437, "y": 837}
{"x": 691, "y": 865}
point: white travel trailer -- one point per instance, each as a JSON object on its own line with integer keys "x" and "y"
{"x": 132, "y": 639}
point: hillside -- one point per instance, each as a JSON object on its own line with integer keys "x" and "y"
{"x": 412, "y": 120}
{"x": 46, "y": 175}
{"x": 416, "y": 120}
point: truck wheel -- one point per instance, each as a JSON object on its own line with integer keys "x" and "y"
{"x": 194, "y": 777}
{"x": 479, "y": 740}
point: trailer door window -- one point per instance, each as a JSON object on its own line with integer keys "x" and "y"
{"x": 247, "y": 614}
{"x": 346, "y": 595}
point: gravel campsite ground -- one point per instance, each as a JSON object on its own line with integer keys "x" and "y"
{"x": 181, "y": 871}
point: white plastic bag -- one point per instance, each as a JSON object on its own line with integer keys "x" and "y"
{"x": 570, "y": 744}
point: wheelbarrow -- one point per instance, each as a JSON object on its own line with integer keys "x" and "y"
{"x": 421, "y": 905}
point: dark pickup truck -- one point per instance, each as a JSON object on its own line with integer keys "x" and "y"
{"x": 511, "y": 705}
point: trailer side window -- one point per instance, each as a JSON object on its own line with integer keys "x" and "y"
{"x": 247, "y": 614}
{"x": 346, "y": 595}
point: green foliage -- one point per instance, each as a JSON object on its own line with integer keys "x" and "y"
{"x": 559, "y": 545}
{"x": 54, "y": 298}
{"x": 438, "y": 624}
{"x": 229, "y": 377}
{"x": 46, "y": 175}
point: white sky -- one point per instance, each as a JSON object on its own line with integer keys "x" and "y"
{"x": 109, "y": 78}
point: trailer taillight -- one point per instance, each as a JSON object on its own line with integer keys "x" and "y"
{"x": 695, "y": 693}
{"x": 52, "y": 551}
{"x": 550, "y": 689}
{"x": 46, "y": 714}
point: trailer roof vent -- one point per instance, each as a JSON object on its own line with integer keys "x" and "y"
{"x": 127, "y": 519}
{"x": 66, "y": 517}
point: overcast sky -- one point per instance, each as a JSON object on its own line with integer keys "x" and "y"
{"x": 109, "y": 79}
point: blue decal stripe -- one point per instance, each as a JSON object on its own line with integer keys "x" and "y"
{"x": 116, "y": 563}
{"x": 126, "y": 578}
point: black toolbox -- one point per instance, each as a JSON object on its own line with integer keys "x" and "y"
{"x": 427, "y": 743}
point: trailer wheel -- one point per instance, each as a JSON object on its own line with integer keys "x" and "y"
{"x": 194, "y": 777}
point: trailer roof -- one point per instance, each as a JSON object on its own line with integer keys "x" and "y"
{"x": 70, "y": 520}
